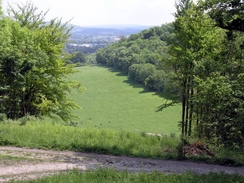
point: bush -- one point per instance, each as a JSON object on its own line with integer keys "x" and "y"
{"x": 139, "y": 72}
{"x": 156, "y": 81}
{"x": 28, "y": 118}
{"x": 3, "y": 117}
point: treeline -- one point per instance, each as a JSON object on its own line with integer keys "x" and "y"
{"x": 140, "y": 56}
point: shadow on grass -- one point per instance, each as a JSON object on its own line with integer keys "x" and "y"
{"x": 168, "y": 99}
{"x": 131, "y": 82}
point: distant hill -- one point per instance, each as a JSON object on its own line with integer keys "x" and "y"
{"x": 89, "y": 39}
{"x": 108, "y": 30}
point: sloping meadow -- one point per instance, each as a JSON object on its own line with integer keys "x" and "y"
{"x": 113, "y": 101}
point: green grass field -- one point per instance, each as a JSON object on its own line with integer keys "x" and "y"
{"x": 113, "y": 101}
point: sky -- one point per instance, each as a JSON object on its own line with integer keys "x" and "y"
{"x": 105, "y": 12}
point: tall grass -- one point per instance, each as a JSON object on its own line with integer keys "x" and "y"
{"x": 56, "y": 136}
{"x": 109, "y": 175}
{"x": 43, "y": 135}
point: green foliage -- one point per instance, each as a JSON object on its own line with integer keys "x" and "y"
{"x": 3, "y": 117}
{"x": 156, "y": 81}
{"x": 27, "y": 16}
{"x": 146, "y": 48}
{"x": 226, "y": 13}
{"x": 187, "y": 51}
{"x": 208, "y": 64}
{"x": 91, "y": 59}
{"x": 78, "y": 57}
{"x": 112, "y": 175}
{"x": 28, "y": 118}
{"x": 148, "y": 75}
{"x": 15, "y": 66}
{"x": 32, "y": 67}
{"x": 140, "y": 72}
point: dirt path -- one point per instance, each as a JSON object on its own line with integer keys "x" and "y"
{"x": 22, "y": 163}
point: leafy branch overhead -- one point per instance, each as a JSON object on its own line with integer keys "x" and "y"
{"x": 228, "y": 14}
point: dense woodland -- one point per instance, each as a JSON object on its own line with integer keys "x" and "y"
{"x": 197, "y": 60}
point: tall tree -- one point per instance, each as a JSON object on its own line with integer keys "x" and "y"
{"x": 192, "y": 52}
{"x": 208, "y": 68}
{"x": 228, "y": 15}
{"x": 32, "y": 67}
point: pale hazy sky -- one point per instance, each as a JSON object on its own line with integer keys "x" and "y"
{"x": 106, "y": 12}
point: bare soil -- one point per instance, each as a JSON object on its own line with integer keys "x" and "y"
{"x": 24, "y": 164}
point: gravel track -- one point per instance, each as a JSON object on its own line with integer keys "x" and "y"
{"x": 34, "y": 163}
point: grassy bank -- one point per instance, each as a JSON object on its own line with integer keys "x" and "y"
{"x": 55, "y": 136}
{"x": 43, "y": 135}
{"x": 107, "y": 175}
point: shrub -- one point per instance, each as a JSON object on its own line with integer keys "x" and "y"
{"x": 3, "y": 117}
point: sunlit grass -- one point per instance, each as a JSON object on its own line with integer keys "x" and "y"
{"x": 113, "y": 101}
{"x": 59, "y": 137}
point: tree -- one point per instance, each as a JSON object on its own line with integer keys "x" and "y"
{"x": 208, "y": 66}
{"x": 192, "y": 51}
{"x": 182, "y": 55}
{"x": 228, "y": 14}
{"x": 32, "y": 67}
{"x": 78, "y": 57}
{"x": 156, "y": 81}
{"x": 15, "y": 65}
{"x": 27, "y": 16}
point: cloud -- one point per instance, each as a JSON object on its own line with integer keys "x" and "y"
{"x": 97, "y": 12}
